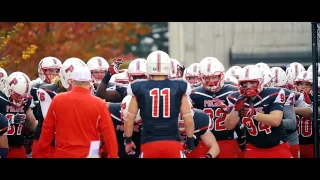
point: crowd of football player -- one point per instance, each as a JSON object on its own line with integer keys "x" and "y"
{"x": 251, "y": 111}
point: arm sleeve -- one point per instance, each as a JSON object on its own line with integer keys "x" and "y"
{"x": 44, "y": 100}
{"x": 230, "y": 102}
{"x": 278, "y": 102}
{"x": 108, "y": 133}
{"x": 48, "y": 128}
{"x": 289, "y": 120}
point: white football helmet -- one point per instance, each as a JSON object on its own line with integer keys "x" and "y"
{"x": 113, "y": 77}
{"x": 310, "y": 69}
{"x": 267, "y": 78}
{"x": 66, "y": 70}
{"x": 124, "y": 110}
{"x": 98, "y": 67}
{"x": 192, "y": 74}
{"x": 263, "y": 66}
{"x": 279, "y": 77}
{"x": 137, "y": 69}
{"x": 212, "y": 59}
{"x": 234, "y": 71}
{"x": 209, "y": 68}
{"x": 17, "y": 88}
{"x": 304, "y": 76}
{"x": 231, "y": 80}
{"x": 122, "y": 78}
{"x": 36, "y": 81}
{"x": 250, "y": 74}
{"x": 159, "y": 63}
{"x": 292, "y": 72}
{"x": 46, "y": 65}
{"x": 3, "y": 78}
{"x": 175, "y": 69}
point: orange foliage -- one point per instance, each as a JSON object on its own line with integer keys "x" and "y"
{"x": 70, "y": 39}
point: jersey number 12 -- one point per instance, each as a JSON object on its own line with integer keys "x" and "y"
{"x": 155, "y": 93}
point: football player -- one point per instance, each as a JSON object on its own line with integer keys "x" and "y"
{"x": 98, "y": 67}
{"x": 279, "y": 80}
{"x": 192, "y": 75}
{"x": 118, "y": 113}
{"x": 292, "y": 72}
{"x": 48, "y": 69}
{"x": 261, "y": 111}
{"x": 303, "y": 83}
{"x": 211, "y": 98}
{"x": 160, "y": 101}
{"x": 202, "y": 131}
{"x": 15, "y": 105}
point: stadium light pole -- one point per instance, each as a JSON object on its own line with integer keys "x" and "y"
{"x": 315, "y": 86}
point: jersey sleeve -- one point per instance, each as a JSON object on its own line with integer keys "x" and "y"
{"x": 188, "y": 89}
{"x": 122, "y": 90}
{"x": 133, "y": 88}
{"x": 184, "y": 86}
{"x": 231, "y": 100}
{"x": 279, "y": 101}
{"x": 4, "y": 124}
{"x": 291, "y": 99}
{"x": 114, "y": 109}
{"x": 44, "y": 100}
{"x": 202, "y": 123}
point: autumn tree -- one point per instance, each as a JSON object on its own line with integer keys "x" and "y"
{"x": 7, "y": 32}
{"x": 73, "y": 39}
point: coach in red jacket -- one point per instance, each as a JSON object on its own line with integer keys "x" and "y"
{"x": 78, "y": 118}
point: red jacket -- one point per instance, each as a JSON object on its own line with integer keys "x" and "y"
{"x": 78, "y": 118}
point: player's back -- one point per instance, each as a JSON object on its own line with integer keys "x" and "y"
{"x": 159, "y": 103}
